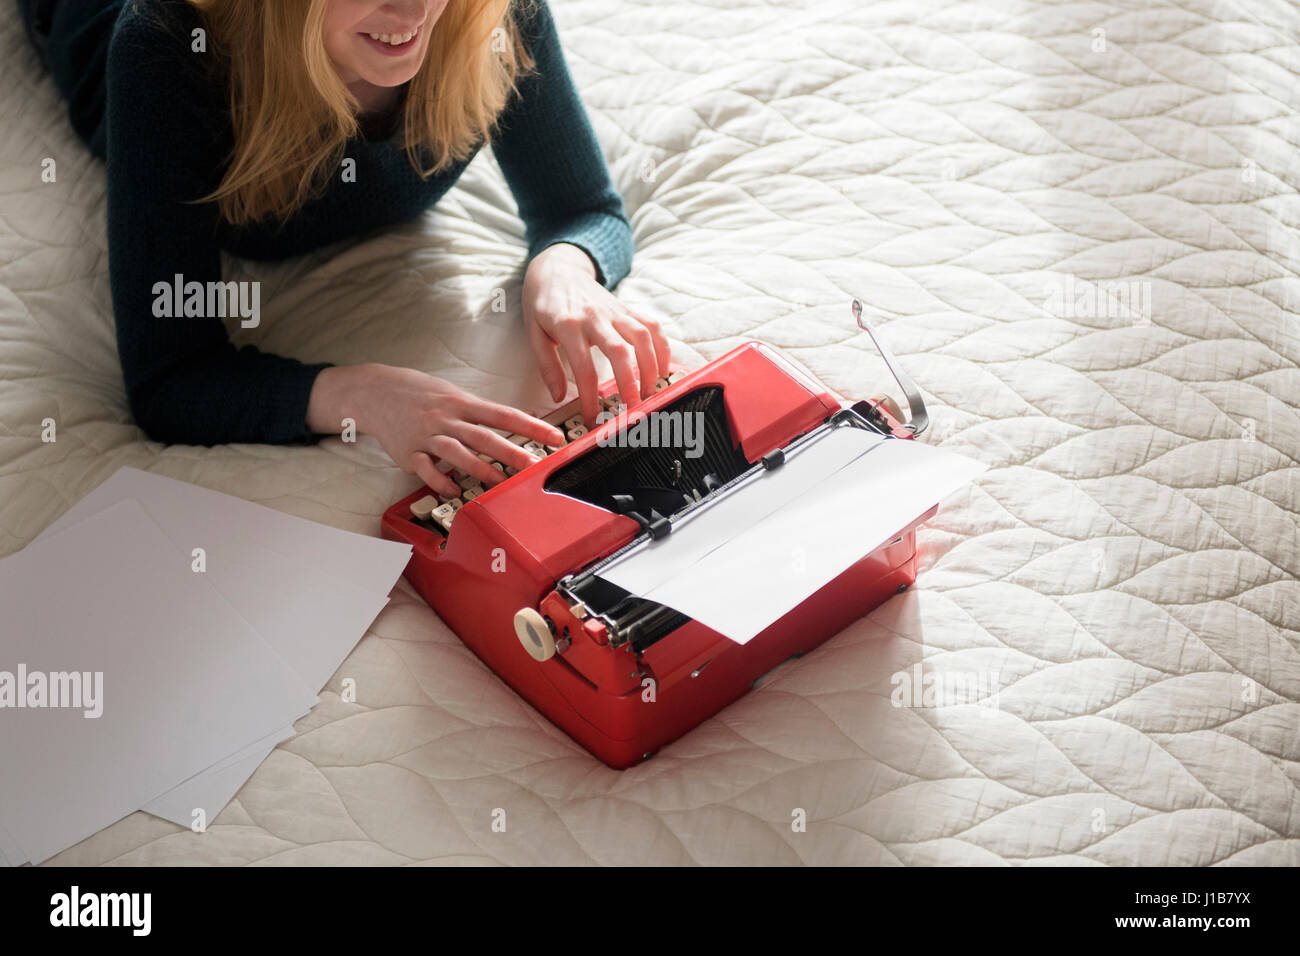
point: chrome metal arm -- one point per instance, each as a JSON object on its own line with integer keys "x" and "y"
{"x": 916, "y": 405}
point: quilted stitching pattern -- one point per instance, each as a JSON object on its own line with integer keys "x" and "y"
{"x": 1126, "y": 571}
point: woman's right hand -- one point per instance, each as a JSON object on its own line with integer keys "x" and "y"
{"x": 419, "y": 420}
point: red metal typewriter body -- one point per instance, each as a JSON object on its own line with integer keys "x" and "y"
{"x": 623, "y": 676}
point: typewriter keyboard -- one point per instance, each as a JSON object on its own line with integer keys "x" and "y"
{"x": 437, "y": 511}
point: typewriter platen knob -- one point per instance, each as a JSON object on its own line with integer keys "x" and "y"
{"x": 534, "y": 633}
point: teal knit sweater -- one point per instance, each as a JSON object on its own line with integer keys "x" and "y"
{"x": 159, "y": 114}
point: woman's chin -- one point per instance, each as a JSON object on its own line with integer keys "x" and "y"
{"x": 367, "y": 71}
{"x": 388, "y": 78}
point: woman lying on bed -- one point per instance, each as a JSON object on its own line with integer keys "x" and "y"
{"x": 271, "y": 128}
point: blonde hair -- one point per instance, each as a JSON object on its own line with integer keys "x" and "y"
{"x": 292, "y": 115}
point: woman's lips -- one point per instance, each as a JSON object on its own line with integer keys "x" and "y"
{"x": 388, "y": 48}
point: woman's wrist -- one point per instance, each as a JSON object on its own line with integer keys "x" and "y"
{"x": 337, "y": 395}
{"x": 565, "y": 255}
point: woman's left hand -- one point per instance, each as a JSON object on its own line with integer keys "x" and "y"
{"x": 565, "y": 308}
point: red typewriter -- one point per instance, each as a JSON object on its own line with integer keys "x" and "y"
{"x": 514, "y": 569}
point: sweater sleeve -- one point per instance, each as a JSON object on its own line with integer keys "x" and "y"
{"x": 185, "y": 381}
{"x": 553, "y": 162}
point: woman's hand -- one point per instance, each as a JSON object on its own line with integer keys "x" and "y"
{"x": 565, "y": 308}
{"x": 419, "y": 419}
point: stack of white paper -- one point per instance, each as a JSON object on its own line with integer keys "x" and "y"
{"x": 157, "y": 642}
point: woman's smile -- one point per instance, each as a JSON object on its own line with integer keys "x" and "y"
{"x": 394, "y": 44}
{"x": 376, "y": 44}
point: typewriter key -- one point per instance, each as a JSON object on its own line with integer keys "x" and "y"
{"x": 424, "y": 507}
{"x": 574, "y": 422}
{"x": 576, "y": 432}
{"x": 443, "y": 514}
{"x": 565, "y": 412}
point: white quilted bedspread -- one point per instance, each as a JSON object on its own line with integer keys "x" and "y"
{"x": 991, "y": 178}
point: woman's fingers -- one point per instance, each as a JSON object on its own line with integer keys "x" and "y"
{"x": 663, "y": 351}
{"x": 622, "y": 359}
{"x": 647, "y": 362}
{"x": 548, "y": 361}
{"x": 427, "y": 472}
{"x": 450, "y": 449}
{"x": 578, "y": 352}
{"x": 478, "y": 438}
{"x": 513, "y": 421}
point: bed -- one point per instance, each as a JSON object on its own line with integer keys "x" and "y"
{"x": 1077, "y": 226}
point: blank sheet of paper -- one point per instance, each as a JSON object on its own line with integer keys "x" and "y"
{"x": 186, "y": 681}
{"x": 11, "y": 854}
{"x": 749, "y": 559}
{"x": 312, "y": 624}
{"x": 310, "y": 590}
{"x": 199, "y": 517}
{"x": 216, "y": 786}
